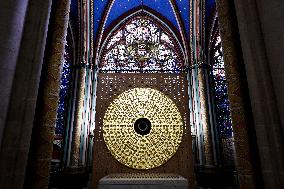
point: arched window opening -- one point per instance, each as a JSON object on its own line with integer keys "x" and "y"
{"x": 64, "y": 89}
{"x": 223, "y": 117}
{"x": 141, "y": 45}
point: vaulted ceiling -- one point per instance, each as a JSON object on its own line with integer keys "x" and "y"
{"x": 176, "y": 12}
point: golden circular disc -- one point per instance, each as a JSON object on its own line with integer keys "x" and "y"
{"x": 136, "y": 150}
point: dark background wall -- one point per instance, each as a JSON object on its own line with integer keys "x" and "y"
{"x": 261, "y": 26}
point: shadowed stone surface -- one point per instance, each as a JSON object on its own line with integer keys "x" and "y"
{"x": 140, "y": 180}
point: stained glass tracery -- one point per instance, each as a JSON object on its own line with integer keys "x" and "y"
{"x": 223, "y": 116}
{"x": 141, "y": 45}
{"x": 64, "y": 89}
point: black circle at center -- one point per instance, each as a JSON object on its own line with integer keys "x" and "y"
{"x": 142, "y": 126}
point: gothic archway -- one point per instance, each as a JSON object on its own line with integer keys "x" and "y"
{"x": 141, "y": 44}
{"x": 141, "y": 52}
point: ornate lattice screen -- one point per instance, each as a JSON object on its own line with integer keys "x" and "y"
{"x": 109, "y": 86}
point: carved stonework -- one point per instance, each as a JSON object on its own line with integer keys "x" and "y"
{"x": 236, "y": 96}
{"x": 75, "y": 146}
{"x": 46, "y": 128}
{"x": 208, "y": 151}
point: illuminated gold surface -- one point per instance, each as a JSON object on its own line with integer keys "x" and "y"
{"x": 134, "y": 150}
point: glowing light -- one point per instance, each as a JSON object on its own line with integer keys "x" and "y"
{"x": 160, "y": 124}
{"x": 141, "y": 45}
{"x": 221, "y": 91}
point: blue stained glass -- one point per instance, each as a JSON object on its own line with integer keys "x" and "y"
{"x": 184, "y": 9}
{"x": 141, "y": 45}
{"x": 63, "y": 94}
{"x": 221, "y": 92}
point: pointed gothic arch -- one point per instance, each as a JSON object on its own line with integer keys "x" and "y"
{"x": 142, "y": 42}
{"x": 155, "y": 32}
{"x": 177, "y": 33}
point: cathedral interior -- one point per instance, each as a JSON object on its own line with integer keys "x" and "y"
{"x": 91, "y": 88}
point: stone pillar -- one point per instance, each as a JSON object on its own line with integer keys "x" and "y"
{"x": 207, "y": 139}
{"x": 237, "y": 96}
{"x": 78, "y": 118}
{"x": 12, "y": 17}
{"x": 23, "y": 30}
{"x": 43, "y": 133}
{"x": 261, "y": 33}
{"x": 78, "y": 135}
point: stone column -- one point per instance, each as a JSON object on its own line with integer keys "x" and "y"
{"x": 81, "y": 91}
{"x": 23, "y": 30}
{"x": 207, "y": 139}
{"x": 75, "y": 144}
{"x": 43, "y": 133}
{"x": 261, "y": 33}
{"x": 237, "y": 96}
{"x": 12, "y": 18}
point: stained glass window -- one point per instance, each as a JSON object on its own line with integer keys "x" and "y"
{"x": 64, "y": 88}
{"x": 141, "y": 45}
{"x": 223, "y": 116}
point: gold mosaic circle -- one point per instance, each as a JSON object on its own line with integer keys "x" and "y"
{"x": 142, "y": 150}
